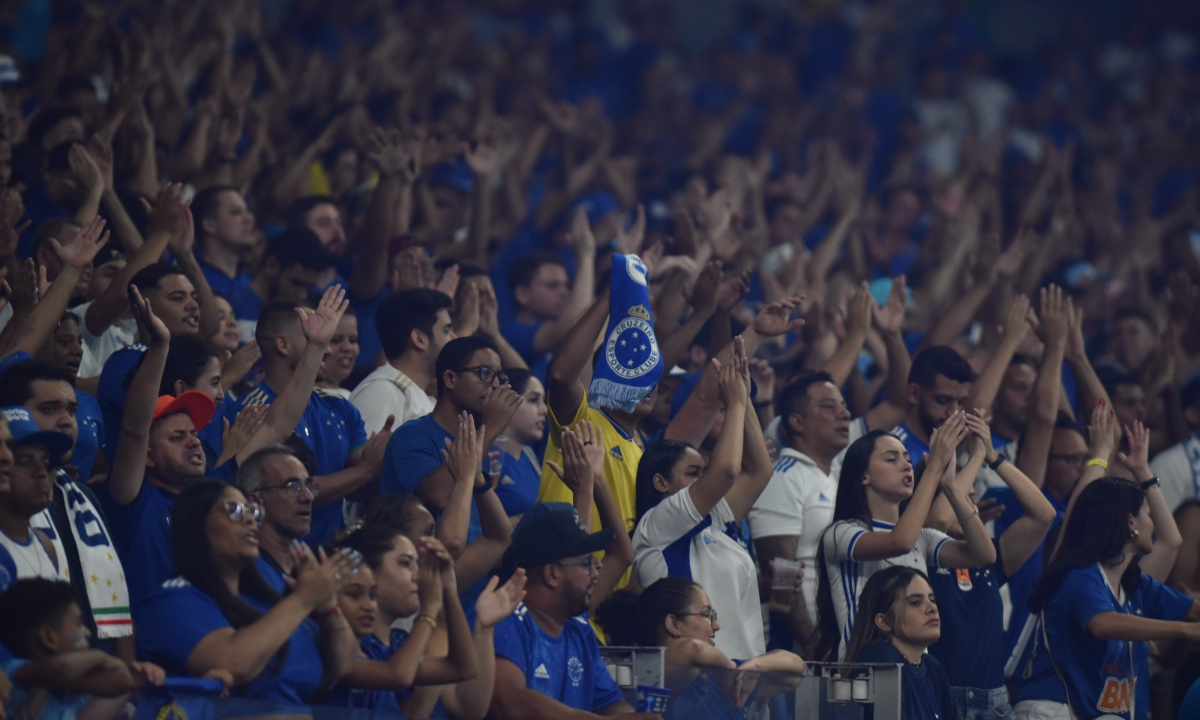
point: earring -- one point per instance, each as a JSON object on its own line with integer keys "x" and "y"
{"x": 1134, "y": 533}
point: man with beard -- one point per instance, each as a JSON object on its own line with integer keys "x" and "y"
{"x": 291, "y": 267}
{"x": 278, "y": 481}
{"x": 938, "y": 384}
{"x": 547, "y": 659}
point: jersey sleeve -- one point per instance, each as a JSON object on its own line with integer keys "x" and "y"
{"x": 669, "y": 521}
{"x": 1162, "y": 602}
{"x": 165, "y": 640}
{"x": 8, "y": 570}
{"x": 604, "y": 689}
{"x": 510, "y": 645}
{"x": 354, "y": 423}
{"x": 779, "y": 509}
{"x": 521, "y": 336}
{"x": 931, "y": 541}
{"x": 840, "y": 540}
{"x": 409, "y": 459}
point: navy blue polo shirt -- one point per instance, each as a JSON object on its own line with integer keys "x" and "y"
{"x": 334, "y": 429}
{"x": 972, "y": 648}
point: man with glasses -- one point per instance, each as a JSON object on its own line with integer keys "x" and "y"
{"x": 275, "y": 479}
{"x": 548, "y": 663}
{"x": 330, "y": 425}
{"x": 469, "y": 380}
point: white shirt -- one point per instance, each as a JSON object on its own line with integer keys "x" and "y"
{"x": 673, "y": 540}
{"x": 387, "y": 391}
{"x": 97, "y": 348}
{"x": 1173, "y": 467}
{"x": 30, "y": 560}
{"x": 858, "y": 428}
{"x": 848, "y": 576}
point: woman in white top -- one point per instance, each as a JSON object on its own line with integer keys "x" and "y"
{"x": 689, "y": 516}
{"x": 870, "y": 533}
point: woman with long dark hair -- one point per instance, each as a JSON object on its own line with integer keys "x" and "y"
{"x": 869, "y": 531}
{"x": 689, "y": 515}
{"x": 220, "y": 614}
{"x": 897, "y": 620}
{"x": 1096, "y": 611}
{"x": 521, "y": 472}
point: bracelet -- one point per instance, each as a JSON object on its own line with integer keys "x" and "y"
{"x": 973, "y": 514}
{"x": 995, "y": 464}
{"x": 1151, "y": 483}
{"x": 426, "y": 618}
{"x": 1097, "y": 462}
{"x": 491, "y": 481}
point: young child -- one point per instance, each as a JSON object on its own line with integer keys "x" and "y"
{"x": 42, "y": 626}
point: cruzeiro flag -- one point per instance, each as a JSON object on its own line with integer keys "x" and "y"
{"x": 630, "y": 364}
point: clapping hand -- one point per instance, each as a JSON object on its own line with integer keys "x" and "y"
{"x": 87, "y": 242}
{"x": 576, "y": 470}
{"x": 464, "y": 456}
{"x": 151, "y": 328}
{"x": 773, "y": 319}
{"x": 1138, "y": 459}
{"x": 319, "y": 578}
{"x": 496, "y": 603}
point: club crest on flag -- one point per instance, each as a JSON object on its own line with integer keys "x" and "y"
{"x": 631, "y": 350}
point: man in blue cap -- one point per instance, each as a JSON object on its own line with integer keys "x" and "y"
{"x": 28, "y": 456}
{"x": 548, "y": 664}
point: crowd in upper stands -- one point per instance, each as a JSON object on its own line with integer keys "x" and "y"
{"x": 398, "y": 356}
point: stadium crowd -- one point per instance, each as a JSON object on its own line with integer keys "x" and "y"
{"x": 395, "y": 356}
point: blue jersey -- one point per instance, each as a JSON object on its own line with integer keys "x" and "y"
{"x": 916, "y": 447}
{"x": 925, "y": 689}
{"x": 332, "y": 427}
{"x": 369, "y": 345}
{"x": 412, "y": 454}
{"x": 1097, "y": 671}
{"x": 520, "y": 479}
{"x": 246, "y": 304}
{"x": 971, "y": 648}
{"x": 1020, "y": 585}
{"x": 141, "y": 533}
{"x": 221, "y": 283}
{"x": 521, "y": 336}
{"x": 370, "y": 648}
{"x": 164, "y": 640}
{"x": 91, "y": 436}
{"x": 112, "y": 393}
{"x": 567, "y": 668}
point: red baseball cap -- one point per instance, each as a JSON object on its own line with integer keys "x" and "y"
{"x": 197, "y": 405}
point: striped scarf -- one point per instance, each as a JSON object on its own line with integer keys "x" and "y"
{"x": 104, "y": 577}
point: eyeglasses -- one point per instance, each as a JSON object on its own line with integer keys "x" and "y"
{"x": 293, "y": 487}
{"x": 487, "y": 375}
{"x": 710, "y": 614}
{"x": 589, "y": 562}
{"x": 237, "y": 511}
{"x": 1076, "y": 459}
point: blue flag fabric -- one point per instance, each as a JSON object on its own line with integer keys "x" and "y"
{"x": 630, "y": 364}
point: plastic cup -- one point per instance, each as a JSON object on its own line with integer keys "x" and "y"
{"x": 783, "y": 584}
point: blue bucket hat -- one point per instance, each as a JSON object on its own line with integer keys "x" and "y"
{"x": 26, "y": 432}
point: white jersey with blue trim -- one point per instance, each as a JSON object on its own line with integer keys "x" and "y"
{"x": 673, "y": 540}
{"x": 848, "y": 576}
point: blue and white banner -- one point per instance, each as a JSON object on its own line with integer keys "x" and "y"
{"x": 630, "y": 364}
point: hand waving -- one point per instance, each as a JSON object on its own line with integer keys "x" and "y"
{"x": 320, "y": 577}
{"x": 1138, "y": 459}
{"x": 890, "y": 317}
{"x": 79, "y": 252}
{"x": 772, "y": 320}
{"x": 576, "y": 470}
{"x": 152, "y": 329}
{"x": 496, "y": 603}
{"x": 320, "y": 326}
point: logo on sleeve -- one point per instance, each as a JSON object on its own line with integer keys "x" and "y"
{"x": 541, "y": 673}
{"x": 575, "y": 671}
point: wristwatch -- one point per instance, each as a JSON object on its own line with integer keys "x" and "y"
{"x": 1152, "y": 482}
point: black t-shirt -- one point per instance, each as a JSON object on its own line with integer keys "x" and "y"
{"x": 926, "y": 690}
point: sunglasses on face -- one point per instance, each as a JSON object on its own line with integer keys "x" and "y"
{"x": 237, "y": 511}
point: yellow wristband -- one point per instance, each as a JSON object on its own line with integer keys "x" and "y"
{"x": 428, "y": 619}
{"x": 1098, "y": 462}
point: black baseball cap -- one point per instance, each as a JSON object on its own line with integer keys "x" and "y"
{"x": 549, "y": 532}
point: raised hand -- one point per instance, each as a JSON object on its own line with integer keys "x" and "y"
{"x": 496, "y": 603}
{"x": 1055, "y": 314}
{"x": 1076, "y": 348}
{"x": 703, "y": 296}
{"x": 500, "y": 407}
{"x": 763, "y": 376}
{"x": 11, "y": 210}
{"x": 169, "y": 212}
{"x": 464, "y": 456}
{"x": 1018, "y": 322}
{"x": 582, "y": 238}
{"x": 1013, "y": 257}
{"x": 483, "y": 159}
{"x": 981, "y": 434}
{"x": 183, "y": 241}
{"x": 248, "y": 421}
{"x": 320, "y": 326}
{"x": 84, "y": 167}
{"x": 944, "y": 441}
{"x": 101, "y": 153}
{"x": 429, "y": 577}
{"x": 733, "y": 378}
{"x": 449, "y": 281}
{"x": 1138, "y": 459}
{"x": 87, "y": 242}
{"x": 733, "y": 291}
{"x": 376, "y": 447}
{"x": 150, "y": 327}
{"x": 858, "y": 317}
{"x": 489, "y": 311}
{"x": 890, "y": 317}
{"x": 1102, "y": 432}
{"x": 630, "y": 241}
{"x": 773, "y": 319}
{"x": 576, "y": 470}
{"x": 592, "y": 438}
{"x": 319, "y": 578}
{"x": 466, "y": 306}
